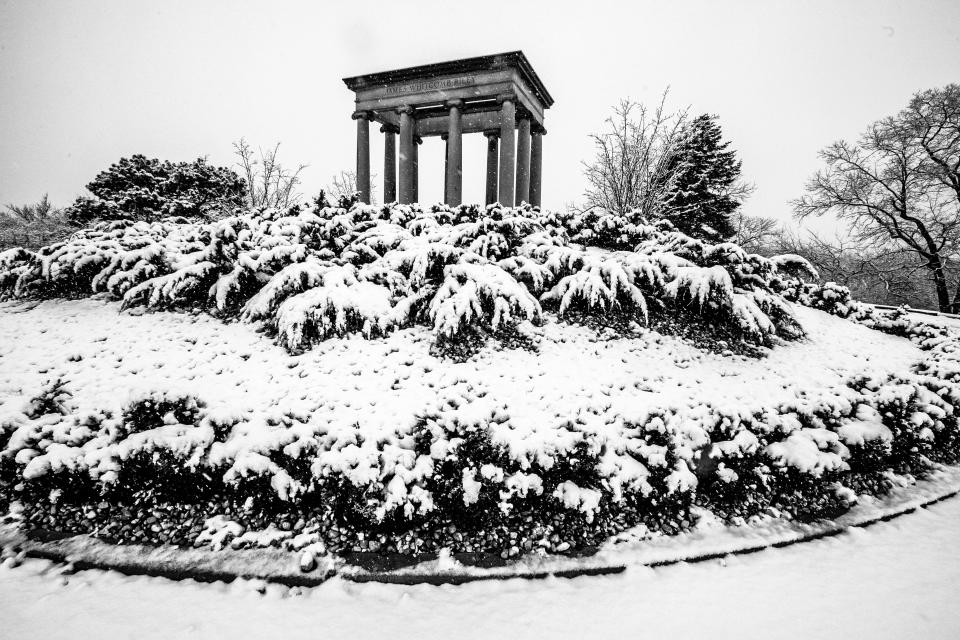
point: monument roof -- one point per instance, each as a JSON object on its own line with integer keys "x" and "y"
{"x": 510, "y": 59}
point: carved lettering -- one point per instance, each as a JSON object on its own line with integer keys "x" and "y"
{"x": 430, "y": 85}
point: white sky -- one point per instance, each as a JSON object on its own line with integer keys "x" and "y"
{"x": 85, "y": 83}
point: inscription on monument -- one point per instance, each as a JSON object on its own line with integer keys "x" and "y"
{"x": 430, "y": 85}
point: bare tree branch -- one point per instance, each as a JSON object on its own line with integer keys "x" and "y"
{"x": 883, "y": 189}
{"x": 630, "y": 170}
{"x": 269, "y": 183}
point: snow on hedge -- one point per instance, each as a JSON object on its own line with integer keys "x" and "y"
{"x": 313, "y": 273}
{"x": 367, "y": 287}
{"x": 419, "y": 438}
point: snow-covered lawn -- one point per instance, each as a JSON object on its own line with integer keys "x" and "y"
{"x": 108, "y": 355}
{"x": 897, "y": 579}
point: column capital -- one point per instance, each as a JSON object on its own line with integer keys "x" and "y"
{"x": 389, "y": 128}
{"x": 493, "y": 133}
{"x": 418, "y": 139}
{"x": 407, "y": 109}
{"x": 524, "y": 114}
{"x": 506, "y": 97}
{"x": 538, "y": 129}
{"x": 455, "y": 102}
{"x": 362, "y": 115}
{"x": 444, "y": 136}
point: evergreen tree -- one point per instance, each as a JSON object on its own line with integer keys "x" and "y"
{"x": 141, "y": 188}
{"x": 705, "y": 190}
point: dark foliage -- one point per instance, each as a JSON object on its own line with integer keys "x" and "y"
{"x": 702, "y": 197}
{"x": 141, "y": 188}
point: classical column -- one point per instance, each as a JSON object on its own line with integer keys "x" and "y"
{"x": 493, "y": 149}
{"x": 523, "y": 159}
{"x": 417, "y": 141}
{"x": 536, "y": 164}
{"x": 446, "y": 163}
{"x": 389, "y": 163}
{"x": 507, "y": 150}
{"x": 408, "y": 155}
{"x": 363, "y": 154}
{"x": 453, "y": 192}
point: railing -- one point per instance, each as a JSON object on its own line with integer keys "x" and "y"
{"x": 925, "y": 312}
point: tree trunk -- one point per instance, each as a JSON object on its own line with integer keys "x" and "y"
{"x": 940, "y": 280}
{"x": 955, "y": 308}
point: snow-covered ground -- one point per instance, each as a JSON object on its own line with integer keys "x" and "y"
{"x": 105, "y": 355}
{"x": 897, "y": 579}
{"x": 893, "y": 580}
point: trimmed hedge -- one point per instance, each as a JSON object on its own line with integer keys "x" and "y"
{"x": 449, "y": 481}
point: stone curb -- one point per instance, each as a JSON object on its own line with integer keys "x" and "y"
{"x": 282, "y": 567}
{"x": 826, "y": 532}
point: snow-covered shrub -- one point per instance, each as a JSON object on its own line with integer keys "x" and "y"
{"x": 835, "y": 299}
{"x": 462, "y": 466}
{"x": 475, "y": 481}
{"x": 311, "y": 272}
{"x": 111, "y": 257}
{"x": 53, "y": 398}
{"x": 599, "y": 228}
{"x": 776, "y": 460}
{"x": 473, "y": 294}
{"x": 793, "y": 266}
{"x": 829, "y": 296}
{"x": 41, "y": 442}
{"x": 13, "y": 263}
{"x": 41, "y": 420}
{"x": 805, "y": 457}
{"x": 920, "y": 409}
{"x": 654, "y": 472}
{"x": 156, "y": 410}
{"x": 341, "y": 304}
{"x": 759, "y": 471}
{"x": 601, "y": 285}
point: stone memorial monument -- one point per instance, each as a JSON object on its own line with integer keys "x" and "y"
{"x": 497, "y": 95}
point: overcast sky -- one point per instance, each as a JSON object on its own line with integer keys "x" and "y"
{"x": 84, "y": 83}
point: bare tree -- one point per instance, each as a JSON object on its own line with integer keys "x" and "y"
{"x": 343, "y": 186}
{"x": 754, "y": 233}
{"x": 933, "y": 119}
{"x": 882, "y": 188}
{"x": 631, "y": 168}
{"x": 33, "y": 225}
{"x": 269, "y": 183}
{"x": 885, "y": 276}
{"x": 35, "y": 212}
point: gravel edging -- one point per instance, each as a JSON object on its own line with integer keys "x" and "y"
{"x": 282, "y": 567}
